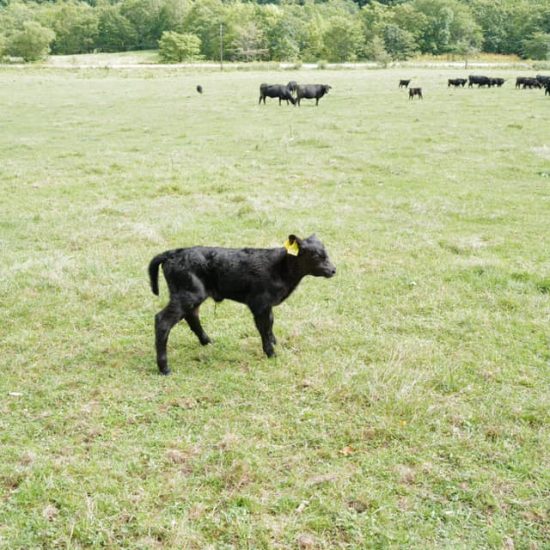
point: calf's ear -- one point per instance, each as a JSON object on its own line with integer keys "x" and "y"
{"x": 294, "y": 239}
{"x": 292, "y": 245}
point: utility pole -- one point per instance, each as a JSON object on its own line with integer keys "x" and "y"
{"x": 221, "y": 46}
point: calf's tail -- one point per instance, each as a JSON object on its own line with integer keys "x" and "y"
{"x": 154, "y": 271}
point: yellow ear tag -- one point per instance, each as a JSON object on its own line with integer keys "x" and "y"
{"x": 293, "y": 248}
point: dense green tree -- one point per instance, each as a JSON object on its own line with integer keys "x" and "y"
{"x": 506, "y": 24}
{"x": 538, "y": 46}
{"x": 343, "y": 39}
{"x": 32, "y": 42}
{"x": 75, "y": 25}
{"x": 492, "y": 16}
{"x": 375, "y": 51}
{"x": 115, "y": 32}
{"x": 14, "y": 15}
{"x": 148, "y": 19}
{"x": 465, "y": 50}
{"x": 244, "y": 36}
{"x": 204, "y": 19}
{"x": 374, "y": 16}
{"x": 410, "y": 19}
{"x": 279, "y": 32}
{"x": 175, "y": 47}
{"x": 174, "y": 13}
{"x": 283, "y": 31}
{"x": 249, "y": 43}
{"x": 398, "y": 42}
{"x": 333, "y": 8}
{"x": 447, "y": 23}
{"x": 312, "y": 43}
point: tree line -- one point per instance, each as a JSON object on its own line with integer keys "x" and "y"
{"x": 332, "y": 30}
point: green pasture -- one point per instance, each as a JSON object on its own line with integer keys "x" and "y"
{"x": 408, "y": 406}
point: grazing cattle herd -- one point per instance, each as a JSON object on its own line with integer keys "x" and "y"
{"x": 539, "y": 81}
{"x": 294, "y": 92}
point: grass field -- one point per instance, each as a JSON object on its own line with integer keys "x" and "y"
{"x": 408, "y": 405}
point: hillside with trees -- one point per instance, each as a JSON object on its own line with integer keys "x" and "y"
{"x": 333, "y": 30}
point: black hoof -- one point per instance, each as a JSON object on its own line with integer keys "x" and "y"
{"x": 165, "y": 372}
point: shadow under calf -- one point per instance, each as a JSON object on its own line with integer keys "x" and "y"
{"x": 261, "y": 278}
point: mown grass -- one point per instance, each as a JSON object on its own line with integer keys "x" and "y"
{"x": 408, "y": 404}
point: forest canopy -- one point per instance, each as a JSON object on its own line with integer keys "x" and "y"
{"x": 334, "y": 30}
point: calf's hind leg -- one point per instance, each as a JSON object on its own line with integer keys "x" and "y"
{"x": 264, "y": 323}
{"x": 164, "y": 322}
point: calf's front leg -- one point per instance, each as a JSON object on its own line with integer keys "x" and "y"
{"x": 194, "y": 323}
{"x": 264, "y": 324}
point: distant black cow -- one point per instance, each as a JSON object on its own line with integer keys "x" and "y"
{"x": 404, "y": 83}
{"x": 498, "y": 82}
{"x": 258, "y": 277}
{"x": 199, "y": 89}
{"x": 520, "y": 80}
{"x": 479, "y": 80}
{"x": 281, "y": 91}
{"x": 456, "y": 82}
{"x": 531, "y": 83}
{"x": 415, "y": 91}
{"x": 311, "y": 91}
{"x": 544, "y": 80}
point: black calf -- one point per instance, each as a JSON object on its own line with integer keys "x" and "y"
{"x": 404, "y": 83}
{"x": 258, "y": 277}
{"x": 456, "y": 82}
{"x": 498, "y": 82}
{"x": 415, "y": 92}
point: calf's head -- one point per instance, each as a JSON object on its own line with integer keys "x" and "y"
{"x": 311, "y": 256}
